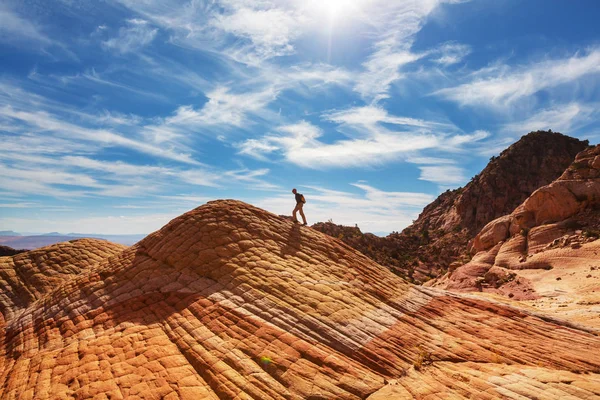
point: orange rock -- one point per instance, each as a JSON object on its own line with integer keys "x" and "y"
{"x": 230, "y": 301}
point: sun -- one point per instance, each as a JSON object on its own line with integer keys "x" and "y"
{"x": 334, "y": 9}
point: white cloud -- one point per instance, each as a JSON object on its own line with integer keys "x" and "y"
{"x": 561, "y": 118}
{"x": 13, "y": 26}
{"x": 369, "y": 116}
{"x": 299, "y": 144}
{"x": 133, "y": 37}
{"x": 503, "y": 87}
{"x": 15, "y": 30}
{"x": 17, "y": 205}
{"x": 49, "y": 123}
{"x": 457, "y": 141}
{"x": 429, "y": 160}
{"x": 445, "y": 175}
{"x": 315, "y": 75}
{"x": 247, "y": 32}
{"x": 222, "y": 108}
{"x": 257, "y": 148}
{"x": 269, "y": 31}
{"x": 382, "y": 70}
{"x": 451, "y": 53}
{"x": 394, "y": 24}
{"x": 252, "y": 178}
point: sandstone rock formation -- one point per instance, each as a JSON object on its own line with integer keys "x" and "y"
{"x": 231, "y": 302}
{"x": 31, "y": 276}
{"x": 547, "y": 248}
{"x": 441, "y": 233}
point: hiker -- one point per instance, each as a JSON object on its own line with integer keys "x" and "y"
{"x": 300, "y": 200}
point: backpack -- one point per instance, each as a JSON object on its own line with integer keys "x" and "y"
{"x": 303, "y": 199}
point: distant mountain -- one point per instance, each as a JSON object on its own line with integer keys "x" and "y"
{"x": 9, "y": 233}
{"x": 441, "y": 233}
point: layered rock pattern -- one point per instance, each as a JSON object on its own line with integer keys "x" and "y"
{"x": 231, "y": 302}
{"x": 30, "y": 276}
{"x": 546, "y": 251}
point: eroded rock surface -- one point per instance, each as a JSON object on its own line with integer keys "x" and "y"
{"x": 441, "y": 233}
{"x": 231, "y": 302}
{"x": 546, "y": 253}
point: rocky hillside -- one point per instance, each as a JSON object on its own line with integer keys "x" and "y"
{"x": 231, "y": 302}
{"x": 441, "y": 233}
{"x": 9, "y": 251}
{"x": 546, "y": 252}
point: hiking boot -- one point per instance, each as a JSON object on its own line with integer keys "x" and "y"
{"x": 305, "y": 224}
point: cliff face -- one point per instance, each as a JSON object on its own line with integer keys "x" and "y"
{"x": 547, "y": 248}
{"x": 535, "y": 160}
{"x": 441, "y": 233}
{"x": 231, "y": 302}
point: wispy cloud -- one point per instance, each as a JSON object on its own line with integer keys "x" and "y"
{"x": 265, "y": 31}
{"x": 45, "y": 122}
{"x": 503, "y": 87}
{"x": 15, "y": 29}
{"x": 394, "y": 25}
{"x": 299, "y": 144}
{"x": 244, "y": 31}
{"x": 562, "y": 118}
{"x": 369, "y": 116}
{"x": 443, "y": 175}
{"x": 12, "y": 26}
{"x": 17, "y": 205}
{"x": 451, "y": 53}
{"x": 132, "y": 37}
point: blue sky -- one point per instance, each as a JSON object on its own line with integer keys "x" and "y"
{"x": 118, "y": 115}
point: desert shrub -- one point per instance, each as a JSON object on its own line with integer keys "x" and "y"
{"x": 423, "y": 359}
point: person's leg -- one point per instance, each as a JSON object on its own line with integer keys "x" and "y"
{"x": 302, "y": 213}
{"x": 295, "y": 211}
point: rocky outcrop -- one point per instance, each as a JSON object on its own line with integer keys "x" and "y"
{"x": 576, "y": 190}
{"x": 440, "y": 235}
{"x": 30, "y": 276}
{"x": 537, "y": 159}
{"x": 9, "y": 251}
{"x": 547, "y": 247}
{"x": 229, "y": 301}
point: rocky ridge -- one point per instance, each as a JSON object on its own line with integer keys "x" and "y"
{"x": 9, "y": 251}
{"x": 546, "y": 252}
{"x": 442, "y": 232}
{"x": 231, "y": 302}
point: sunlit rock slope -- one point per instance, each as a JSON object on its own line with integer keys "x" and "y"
{"x": 546, "y": 253}
{"x": 231, "y": 302}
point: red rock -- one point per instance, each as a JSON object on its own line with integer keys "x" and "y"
{"x": 550, "y": 242}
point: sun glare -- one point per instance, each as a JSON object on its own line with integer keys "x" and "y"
{"x": 334, "y": 9}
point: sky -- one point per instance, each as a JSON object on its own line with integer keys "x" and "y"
{"x": 118, "y": 115}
